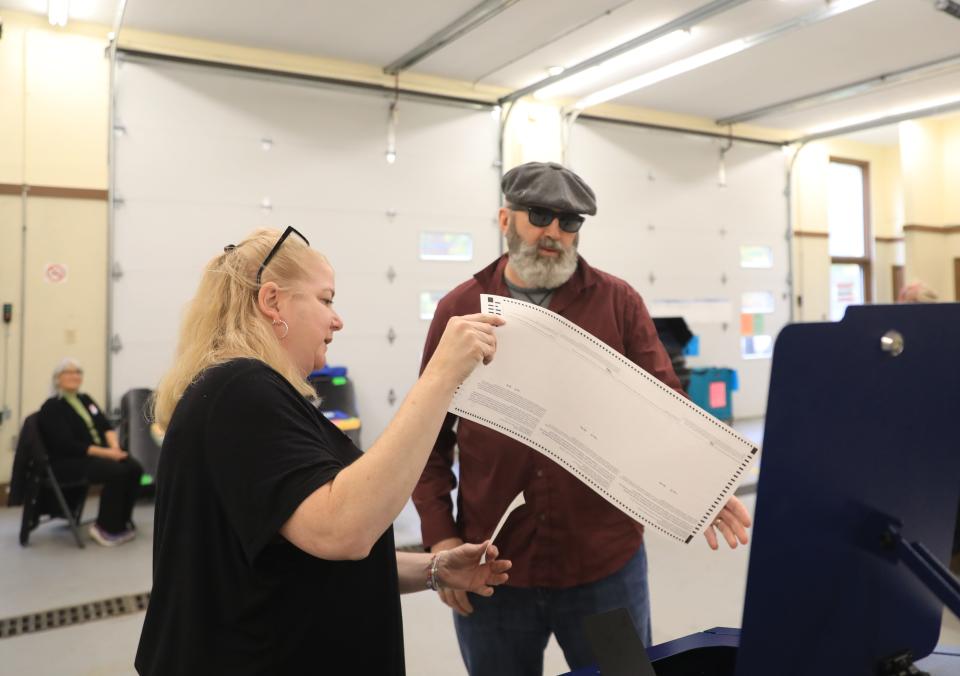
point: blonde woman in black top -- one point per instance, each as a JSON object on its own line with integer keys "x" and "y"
{"x": 273, "y": 538}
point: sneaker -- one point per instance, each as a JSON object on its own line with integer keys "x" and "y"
{"x": 106, "y": 539}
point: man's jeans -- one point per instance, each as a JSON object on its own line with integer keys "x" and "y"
{"x": 508, "y": 632}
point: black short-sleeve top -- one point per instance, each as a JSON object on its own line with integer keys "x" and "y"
{"x": 230, "y": 595}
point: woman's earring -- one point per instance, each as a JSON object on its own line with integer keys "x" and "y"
{"x": 286, "y": 327}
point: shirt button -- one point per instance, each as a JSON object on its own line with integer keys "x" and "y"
{"x": 543, "y": 517}
{"x": 539, "y": 472}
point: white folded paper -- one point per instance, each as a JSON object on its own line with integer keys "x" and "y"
{"x": 518, "y": 501}
{"x": 645, "y": 448}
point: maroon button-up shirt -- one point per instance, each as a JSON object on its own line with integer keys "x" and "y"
{"x": 565, "y": 535}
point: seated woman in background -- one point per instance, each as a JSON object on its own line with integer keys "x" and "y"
{"x": 273, "y": 539}
{"x": 81, "y": 441}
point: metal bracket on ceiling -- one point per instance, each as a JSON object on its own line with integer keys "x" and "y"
{"x": 921, "y": 71}
{"x": 724, "y": 149}
{"x": 473, "y": 18}
{"x": 393, "y": 119}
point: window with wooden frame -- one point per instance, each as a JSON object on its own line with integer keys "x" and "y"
{"x": 848, "y": 220}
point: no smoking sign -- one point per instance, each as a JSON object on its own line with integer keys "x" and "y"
{"x": 55, "y": 273}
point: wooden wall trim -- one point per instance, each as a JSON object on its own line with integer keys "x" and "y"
{"x": 54, "y": 191}
{"x": 887, "y": 240}
{"x": 810, "y": 233}
{"x": 67, "y": 193}
{"x": 936, "y": 229}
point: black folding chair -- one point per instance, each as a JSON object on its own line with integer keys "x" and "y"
{"x": 39, "y": 490}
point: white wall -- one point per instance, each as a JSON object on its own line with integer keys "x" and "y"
{"x": 193, "y": 172}
{"x": 661, "y": 212}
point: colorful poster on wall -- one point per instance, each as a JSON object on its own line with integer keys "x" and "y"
{"x": 446, "y": 246}
{"x": 756, "y": 256}
{"x": 755, "y": 342}
{"x": 428, "y": 303}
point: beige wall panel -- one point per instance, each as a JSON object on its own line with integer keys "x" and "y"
{"x": 887, "y": 255}
{"x": 951, "y": 171}
{"x": 67, "y": 104}
{"x": 950, "y": 288}
{"x": 11, "y": 105}
{"x": 10, "y": 231}
{"x": 921, "y": 160}
{"x": 925, "y": 261}
{"x": 811, "y": 258}
{"x": 810, "y": 188}
{"x": 66, "y": 318}
{"x": 886, "y": 193}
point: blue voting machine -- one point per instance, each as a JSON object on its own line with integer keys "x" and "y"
{"x": 856, "y": 505}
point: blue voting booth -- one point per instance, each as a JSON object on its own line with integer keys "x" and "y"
{"x": 856, "y": 506}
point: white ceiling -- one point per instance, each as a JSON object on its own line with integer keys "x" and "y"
{"x": 886, "y": 135}
{"x": 515, "y": 48}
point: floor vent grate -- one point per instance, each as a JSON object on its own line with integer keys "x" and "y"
{"x": 115, "y": 606}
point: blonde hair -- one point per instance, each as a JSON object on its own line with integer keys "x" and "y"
{"x": 224, "y": 322}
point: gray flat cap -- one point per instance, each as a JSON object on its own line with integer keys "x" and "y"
{"x": 550, "y": 185}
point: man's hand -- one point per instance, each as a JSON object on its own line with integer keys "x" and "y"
{"x": 732, "y": 522}
{"x": 454, "y": 598}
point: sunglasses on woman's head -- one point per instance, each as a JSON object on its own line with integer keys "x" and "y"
{"x": 276, "y": 247}
{"x": 543, "y": 217}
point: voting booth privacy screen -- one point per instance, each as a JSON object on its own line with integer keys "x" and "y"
{"x": 860, "y": 436}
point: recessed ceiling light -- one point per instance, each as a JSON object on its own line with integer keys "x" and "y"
{"x": 58, "y": 11}
{"x": 553, "y": 71}
{"x": 658, "y": 47}
{"x": 713, "y": 54}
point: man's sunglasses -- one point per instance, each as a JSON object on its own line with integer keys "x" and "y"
{"x": 276, "y": 247}
{"x": 541, "y": 217}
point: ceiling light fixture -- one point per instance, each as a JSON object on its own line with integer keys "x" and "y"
{"x": 848, "y": 90}
{"x": 688, "y": 20}
{"x": 604, "y": 71}
{"x": 58, "y": 12}
{"x": 714, "y": 54}
{"x": 915, "y": 110}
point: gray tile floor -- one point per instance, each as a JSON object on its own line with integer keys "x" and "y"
{"x": 692, "y": 589}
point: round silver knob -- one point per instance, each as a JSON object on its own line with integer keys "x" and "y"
{"x": 892, "y": 343}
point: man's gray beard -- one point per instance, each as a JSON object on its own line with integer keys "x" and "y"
{"x": 538, "y": 271}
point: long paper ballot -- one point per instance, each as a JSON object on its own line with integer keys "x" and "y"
{"x": 646, "y": 449}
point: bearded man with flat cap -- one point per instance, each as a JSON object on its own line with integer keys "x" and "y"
{"x": 573, "y": 553}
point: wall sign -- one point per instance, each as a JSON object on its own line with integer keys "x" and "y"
{"x": 55, "y": 273}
